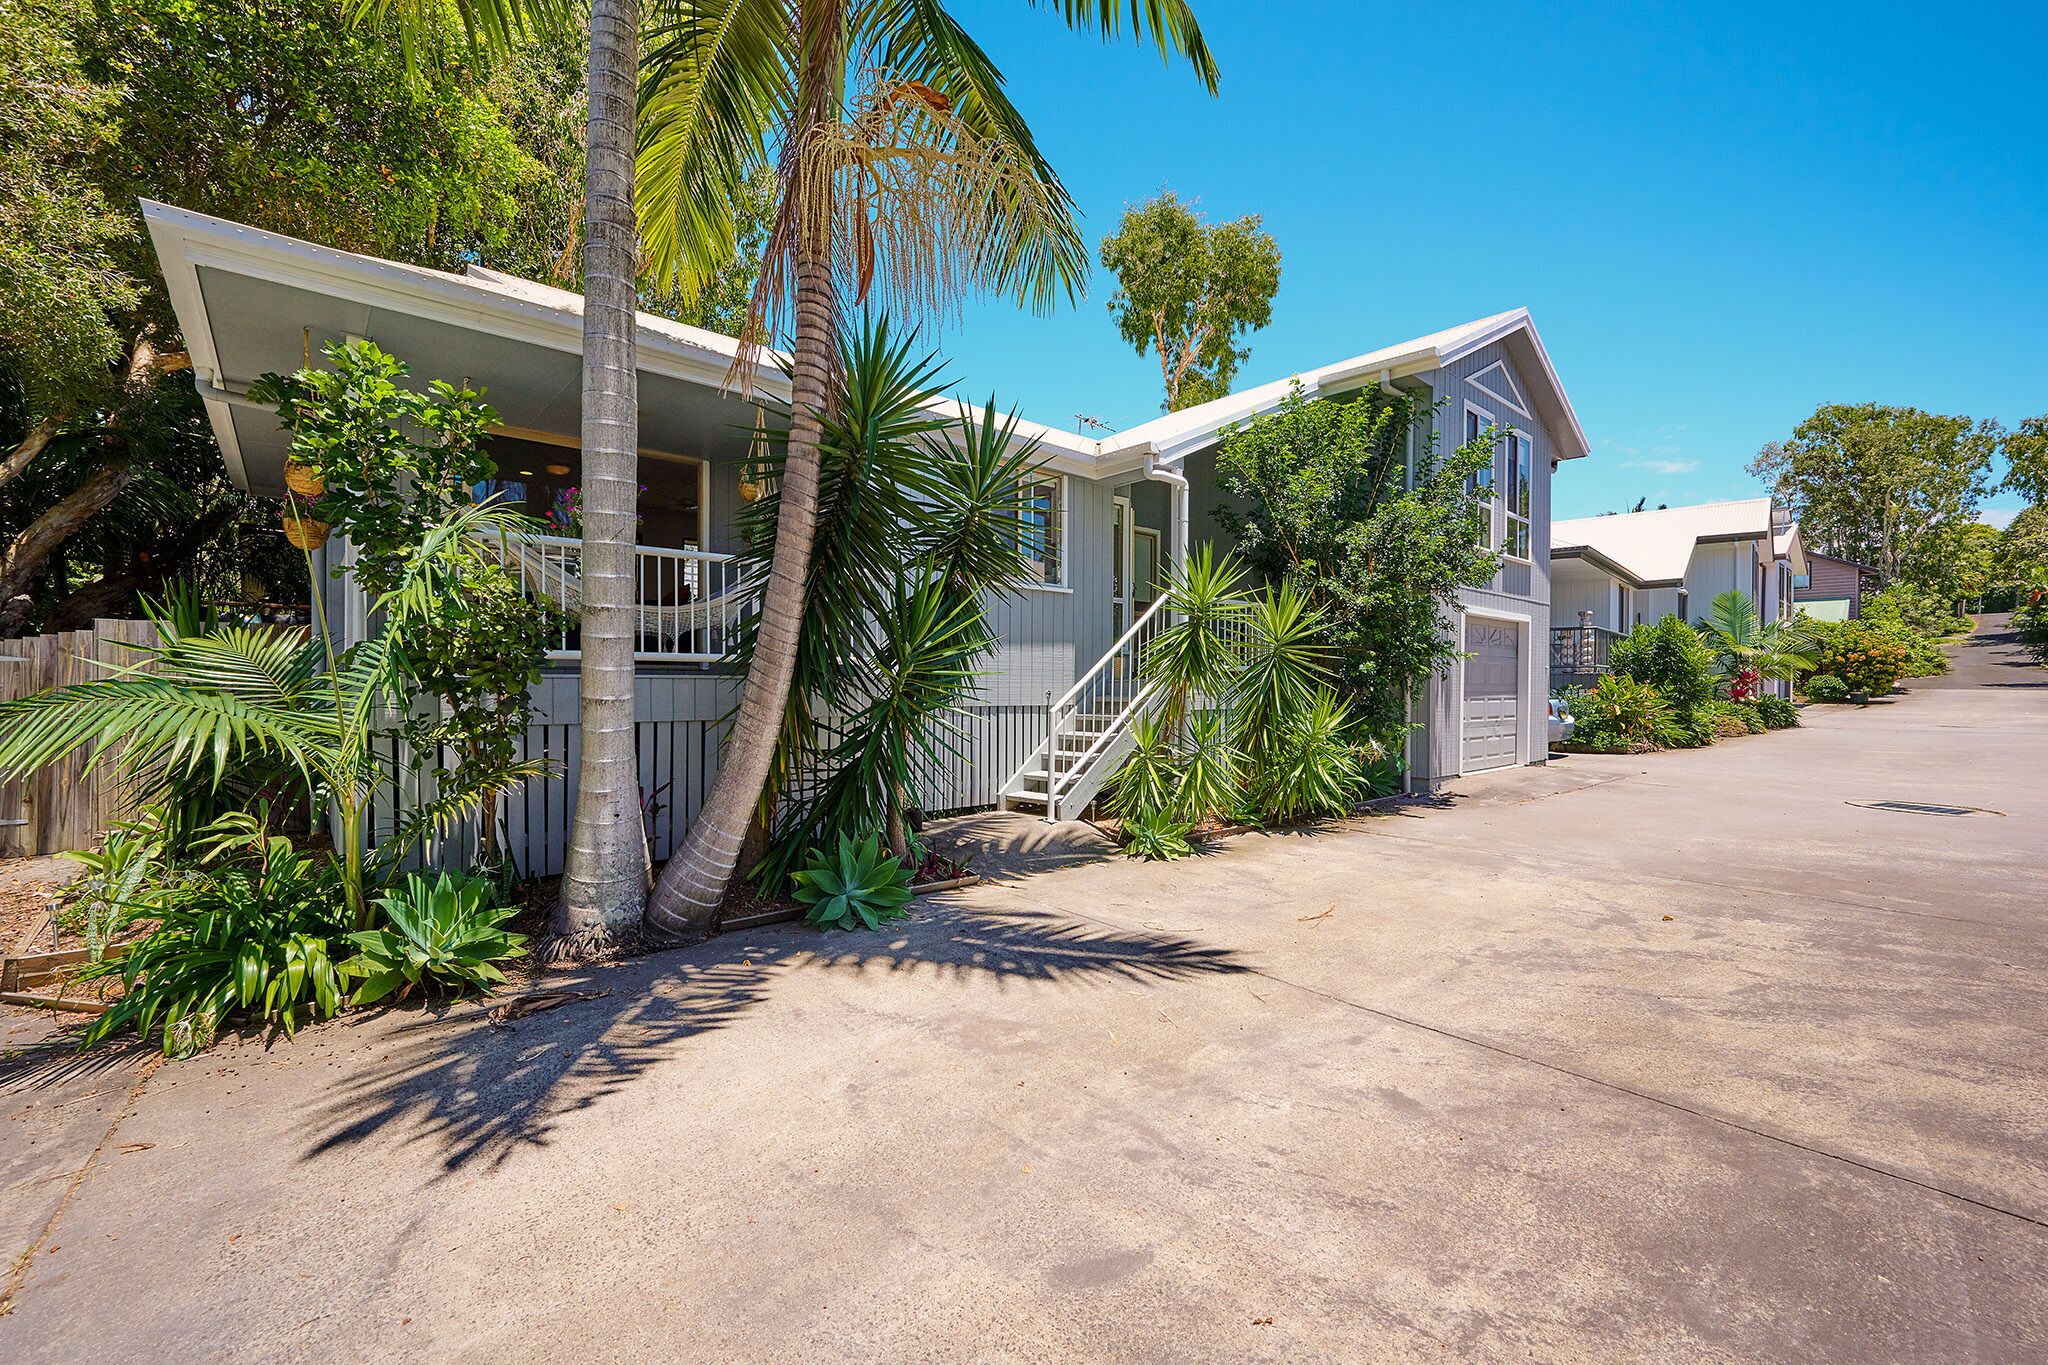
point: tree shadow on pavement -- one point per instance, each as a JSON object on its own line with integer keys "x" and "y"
{"x": 479, "y": 1092}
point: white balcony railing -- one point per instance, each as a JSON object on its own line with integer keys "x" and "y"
{"x": 687, "y": 608}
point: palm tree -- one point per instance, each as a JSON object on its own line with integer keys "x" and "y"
{"x": 210, "y": 704}
{"x": 1740, "y": 641}
{"x": 604, "y": 881}
{"x": 900, "y": 163}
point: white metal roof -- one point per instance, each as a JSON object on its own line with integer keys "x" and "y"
{"x": 1656, "y": 547}
{"x": 507, "y": 308}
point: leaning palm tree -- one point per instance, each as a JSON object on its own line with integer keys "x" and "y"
{"x": 1740, "y": 641}
{"x": 907, "y": 178}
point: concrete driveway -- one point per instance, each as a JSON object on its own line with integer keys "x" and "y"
{"x": 1681, "y": 1057}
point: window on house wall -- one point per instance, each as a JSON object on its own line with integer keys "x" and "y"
{"x": 1516, "y": 542}
{"x": 1044, "y": 537}
{"x": 1479, "y": 484}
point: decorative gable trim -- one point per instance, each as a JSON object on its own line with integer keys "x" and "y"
{"x": 1496, "y": 383}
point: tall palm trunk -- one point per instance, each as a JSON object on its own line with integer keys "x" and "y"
{"x": 693, "y": 883}
{"x": 604, "y": 885}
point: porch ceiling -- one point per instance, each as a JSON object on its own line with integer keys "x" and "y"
{"x": 259, "y": 326}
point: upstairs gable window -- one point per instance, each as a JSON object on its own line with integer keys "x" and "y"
{"x": 1516, "y": 543}
{"x": 1043, "y": 540}
{"x": 1479, "y": 483}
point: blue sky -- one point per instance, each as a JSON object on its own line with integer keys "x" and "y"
{"x": 1718, "y": 224}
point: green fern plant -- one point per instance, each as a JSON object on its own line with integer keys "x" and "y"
{"x": 859, "y": 883}
{"x": 448, "y": 931}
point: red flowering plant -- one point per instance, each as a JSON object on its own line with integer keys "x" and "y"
{"x": 1745, "y": 685}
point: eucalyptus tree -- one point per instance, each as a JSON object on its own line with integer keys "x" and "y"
{"x": 906, "y": 179}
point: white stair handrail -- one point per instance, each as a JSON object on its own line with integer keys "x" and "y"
{"x": 1115, "y": 651}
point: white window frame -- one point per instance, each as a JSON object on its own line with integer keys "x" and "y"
{"x": 1490, "y": 537}
{"x": 1062, "y": 507}
{"x": 1509, "y": 517}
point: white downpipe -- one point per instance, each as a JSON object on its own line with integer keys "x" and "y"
{"x": 1178, "y": 482}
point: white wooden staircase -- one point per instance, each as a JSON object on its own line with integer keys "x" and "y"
{"x": 1089, "y": 729}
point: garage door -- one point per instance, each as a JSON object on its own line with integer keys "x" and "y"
{"x": 1493, "y": 694}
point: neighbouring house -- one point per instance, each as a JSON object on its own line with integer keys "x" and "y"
{"x": 1834, "y": 589}
{"x": 1611, "y": 574}
{"x": 1053, "y": 713}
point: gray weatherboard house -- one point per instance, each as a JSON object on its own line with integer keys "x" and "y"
{"x": 1047, "y": 725}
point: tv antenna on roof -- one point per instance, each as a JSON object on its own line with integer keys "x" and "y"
{"x": 1083, "y": 424}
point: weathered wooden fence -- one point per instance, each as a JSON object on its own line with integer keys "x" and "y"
{"x": 63, "y": 806}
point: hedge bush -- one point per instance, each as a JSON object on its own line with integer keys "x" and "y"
{"x": 1777, "y": 713}
{"x": 1826, "y": 687}
{"x": 1620, "y": 713}
{"x": 1866, "y": 659}
{"x": 1671, "y": 658}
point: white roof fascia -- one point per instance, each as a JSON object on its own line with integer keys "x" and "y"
{"x": 486, "y": 301}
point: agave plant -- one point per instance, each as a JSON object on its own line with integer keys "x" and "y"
{"x": 1742, "y": 642}
{"x": 447, "y": 931}
{"x": 860, "y": 882}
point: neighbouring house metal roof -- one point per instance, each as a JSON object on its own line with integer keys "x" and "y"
{"x": 1656, "y": 547}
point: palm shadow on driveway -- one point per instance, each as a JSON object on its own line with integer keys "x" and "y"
{"x": 474, "y": 1091}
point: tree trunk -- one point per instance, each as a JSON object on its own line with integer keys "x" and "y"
{"x": 23, "y": 560}
{"x": 604, "y": 885}
{"x": 692, "y": 885}
{"x": 23, "y": 455}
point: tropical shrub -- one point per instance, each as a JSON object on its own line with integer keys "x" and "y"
{"x": 860, "y": 882}
{"x": 2031, "y": 621}
{"x": 1622, "y": 713}
{"x": 249, "y": 929}
{"x": 1748, "y": 649}
{"x": 194, "y": 712}
{"x": 1733, "y": 718}
{"x": 1148, "y": 783}
{"x": 1865, "y": 659}
{"x": 1826, "y": 687}
{"x": 1155, "y": 838}
{"x": 1671, "y": 658}
{"x": 399, "y": 463}
{"x": 1777, "y": 713}
{"x": 446, "y": 931}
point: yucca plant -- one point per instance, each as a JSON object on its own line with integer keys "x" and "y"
{"x": 1284, "y": 663}
{"x": 1313, "y": 769}
{"x": 1195, "y": 657}
{"x": 1149, "y": 780}
{"x": 860, "y": 882}
{"x": 247, "y": 929}
{"x": 445, "y": 931}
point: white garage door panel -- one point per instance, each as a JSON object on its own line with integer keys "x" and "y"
{"x": 1493, "y": 694}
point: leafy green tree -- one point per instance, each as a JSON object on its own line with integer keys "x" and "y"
{"x": 1886, "y": 486}
{"x": 398, "y": 462}
{"x": 1189, "y": 293}
{"x": 1379, "y": 557}
{"x": 274, "y": 115}
{"x": 2026, "y": 457}
{"x": 2022, "y": 554}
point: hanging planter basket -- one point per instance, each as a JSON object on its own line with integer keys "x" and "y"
{"x": 304, "y": 532}
{"x": 303, "y": 479}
